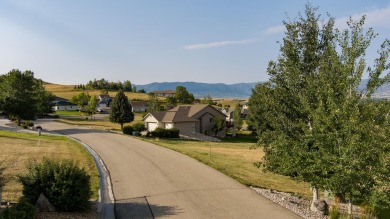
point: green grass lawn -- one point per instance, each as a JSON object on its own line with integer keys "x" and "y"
{"x": 17, "y": 149}
{"x": 70, "y": 113}
{"x": 235, "y": 158}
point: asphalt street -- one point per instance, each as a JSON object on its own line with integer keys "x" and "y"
{"x": 150, "y": 181}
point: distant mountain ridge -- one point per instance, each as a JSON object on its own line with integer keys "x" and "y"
{"x": 216, "y": 90}
{"x": 239, "y": 90}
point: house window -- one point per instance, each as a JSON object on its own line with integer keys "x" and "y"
{"x": 211, "y": 120}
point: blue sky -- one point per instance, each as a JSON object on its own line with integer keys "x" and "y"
{"x": 212, "y": 41}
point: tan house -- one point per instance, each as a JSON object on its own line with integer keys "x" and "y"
{"x": 164, "y": 93}
{"x": 187, "y": 118}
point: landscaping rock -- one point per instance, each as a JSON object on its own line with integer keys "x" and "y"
{"x": 44, "y": 205}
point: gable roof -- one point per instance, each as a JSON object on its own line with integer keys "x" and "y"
{"x": 182, "y": 113}
{"x": 63, "y": 103}
{"x": 138, "y": 104}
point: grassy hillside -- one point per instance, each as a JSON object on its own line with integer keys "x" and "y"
{"x": 68, "y": 91}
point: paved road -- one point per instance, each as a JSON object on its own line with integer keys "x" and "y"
{"x": 150, "y": 181}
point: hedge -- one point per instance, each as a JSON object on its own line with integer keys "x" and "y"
{"x": 165, "y": 133}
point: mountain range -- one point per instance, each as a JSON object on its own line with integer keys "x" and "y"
{"x": 200, "y": 90}
{"x": 239, "y": 90}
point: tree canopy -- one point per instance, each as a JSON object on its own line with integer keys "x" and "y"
{"x": 22, "y": 96}
{"x": 314, "y": 122}
{"x": 183, "y": 96}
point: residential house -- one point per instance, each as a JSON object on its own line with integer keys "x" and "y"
{"x": 103, "y": 97}
{"x": 104, "y": 102}
{"x": 138, "y": 106}
{"x": 64, "y": 105}
{"x": 164, "y": 93}
{"x": 229, "y": 112}
{"x": 187, "y": 118}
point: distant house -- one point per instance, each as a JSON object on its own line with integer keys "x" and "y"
{"x": 64, "y": 105}
{"x": 244, "y": 113}
{"x": 103, "y": 97}
{"x": 138, "y": 106}
{"x": 104, "y": 102}
{"x": 164, "y": 93}
{"x": 229, "y": 112}
{"x": 187, "y": 118}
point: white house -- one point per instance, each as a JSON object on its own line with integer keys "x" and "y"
{"x": 64, "y": 106}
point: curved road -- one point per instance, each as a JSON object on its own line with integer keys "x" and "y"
{"x": 151, "y": 181}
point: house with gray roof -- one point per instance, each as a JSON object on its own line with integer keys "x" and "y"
{"x": 187, "y": 118}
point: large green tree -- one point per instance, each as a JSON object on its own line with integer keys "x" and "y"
{"x": 121, "y": 109}
{"x": 81, "y": 99}
{"x": 183, "y": 96}
{"x": 314, "y": 122}
{"x": 22, "y": 96}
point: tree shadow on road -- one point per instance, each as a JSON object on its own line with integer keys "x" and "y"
{"x": 140, "y": 208}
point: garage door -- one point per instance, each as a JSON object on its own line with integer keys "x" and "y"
{"x": 152, "y": 126}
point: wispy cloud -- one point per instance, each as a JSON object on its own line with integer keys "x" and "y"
{"x": 218, "y": 44}
{"x": 274, "y": 30}
{"x": 374, "y": 18}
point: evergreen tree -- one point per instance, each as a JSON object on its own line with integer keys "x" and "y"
{"x": 121, "y": 109}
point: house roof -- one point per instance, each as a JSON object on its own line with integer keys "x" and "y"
{"x": 164, "y": 92}
{"x": 182, "y": 113}
{"x": 138, "y": 104}
{"x": 63, "y": 103}
{"x": 104, "y": 96}
{"x": 57, "y": 99}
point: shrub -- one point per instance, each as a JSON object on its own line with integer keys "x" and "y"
{"x": 139, "y": 127}
{"x": 64, "y": 184}
{"x": 165, "y": 133}
{"x": 128, "y": 130}
{"x": 22, "y": 210}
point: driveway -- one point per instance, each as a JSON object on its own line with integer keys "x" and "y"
{"x": 151, "y": 181}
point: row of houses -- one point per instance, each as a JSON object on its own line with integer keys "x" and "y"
{"x": 198, "y": 118}
{"x": 103, "y": 104}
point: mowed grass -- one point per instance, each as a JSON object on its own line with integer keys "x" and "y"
{"x": 235, "y": 158}
{"x": 17, "y": 149}
{"x": 103, "y": 123}
{"x": 68, "y": 91}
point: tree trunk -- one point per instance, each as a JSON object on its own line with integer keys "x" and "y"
{"x": 315, "y": 198}
{"x": 234, "y": 130}
{"x": 121, "y": 126}
{"x": 350, "y": 210}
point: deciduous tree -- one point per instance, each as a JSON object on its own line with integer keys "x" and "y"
{"x": 314, "y": 122}
{"x": 22, "y": 96}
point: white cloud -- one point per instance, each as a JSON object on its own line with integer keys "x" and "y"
{"x": 274, "y": 30}
{"x": 374, "y": 18}
{"x": 218, "y": 44}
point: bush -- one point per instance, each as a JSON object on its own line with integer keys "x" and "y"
{"x": 165, "y": 133}
{"x": 139, "y": 127}
{"x": 22, "y": 210}
{"x": 128, "y": 130}
{"x": 64, "y": 184}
